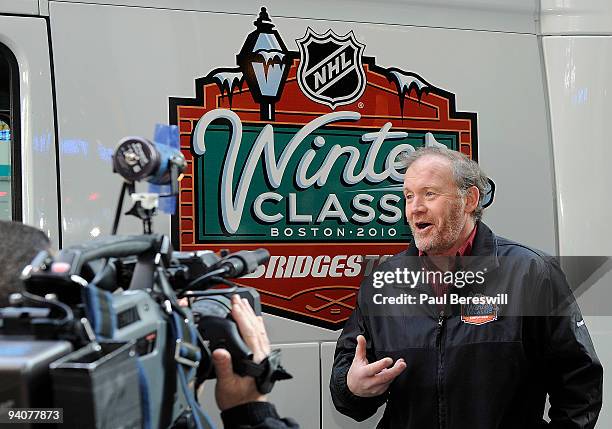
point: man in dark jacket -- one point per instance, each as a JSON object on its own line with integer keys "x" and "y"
{"x": 464, "y": 329}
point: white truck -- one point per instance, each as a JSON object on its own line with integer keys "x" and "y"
{"x": 325, "y": 94}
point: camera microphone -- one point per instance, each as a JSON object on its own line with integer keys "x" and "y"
{"x": 244, "y": 262}
{"x": 137, "y": 158}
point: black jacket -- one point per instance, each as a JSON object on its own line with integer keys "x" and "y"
{"x": 477, "y": 376}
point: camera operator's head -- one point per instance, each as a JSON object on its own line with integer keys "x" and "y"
{"x": 19, "y": 244}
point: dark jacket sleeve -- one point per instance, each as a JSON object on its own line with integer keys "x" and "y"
{"x": 255, "y": 415}
{"x": 574, "y": 373}
{"x": 344, "y": 400}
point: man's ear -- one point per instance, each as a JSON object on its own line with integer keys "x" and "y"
{"x": 471, "y": 199}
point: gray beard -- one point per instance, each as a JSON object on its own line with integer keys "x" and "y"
{"x": 454, "y": 232}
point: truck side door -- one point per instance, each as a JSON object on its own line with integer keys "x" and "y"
{"x": 28, "y": 168}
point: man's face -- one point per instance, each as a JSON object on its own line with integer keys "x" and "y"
{"x": 434, "y": 208}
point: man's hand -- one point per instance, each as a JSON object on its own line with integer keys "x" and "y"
{"x": 371, "y": 379}
{"x": 232, "y": 389}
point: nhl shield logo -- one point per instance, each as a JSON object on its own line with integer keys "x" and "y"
{"x": 331, "y": 70}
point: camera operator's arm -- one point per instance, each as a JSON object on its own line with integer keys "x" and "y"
{"x": 241, "y": 404}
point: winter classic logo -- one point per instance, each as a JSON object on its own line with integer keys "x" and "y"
{"x": 295, "y": 152}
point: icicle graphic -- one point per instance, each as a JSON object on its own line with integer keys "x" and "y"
{"x": 228, "y": 82}
{"x": 405, "y": 82}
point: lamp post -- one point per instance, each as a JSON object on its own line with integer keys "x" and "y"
{"x": 264, "y": 60}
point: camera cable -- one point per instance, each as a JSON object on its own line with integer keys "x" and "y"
{"x": 202, "y": 279}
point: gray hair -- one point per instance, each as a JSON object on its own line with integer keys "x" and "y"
{"x": 466, "y": 172}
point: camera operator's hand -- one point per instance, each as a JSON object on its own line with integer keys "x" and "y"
{"x": 232, "y": 389}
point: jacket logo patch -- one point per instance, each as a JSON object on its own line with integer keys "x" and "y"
{"x": 478, "y": 314}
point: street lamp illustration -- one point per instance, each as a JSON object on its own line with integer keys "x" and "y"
{"x": 265, "y": 62}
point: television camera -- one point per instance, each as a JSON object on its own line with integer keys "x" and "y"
{"x": 118, "y": 332}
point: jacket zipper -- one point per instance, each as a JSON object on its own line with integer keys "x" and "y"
{"x": 440, "y": 372}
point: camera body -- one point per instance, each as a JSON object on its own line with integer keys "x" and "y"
{"x": 119, "y": 331}
{"x": 96, "y": 343}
